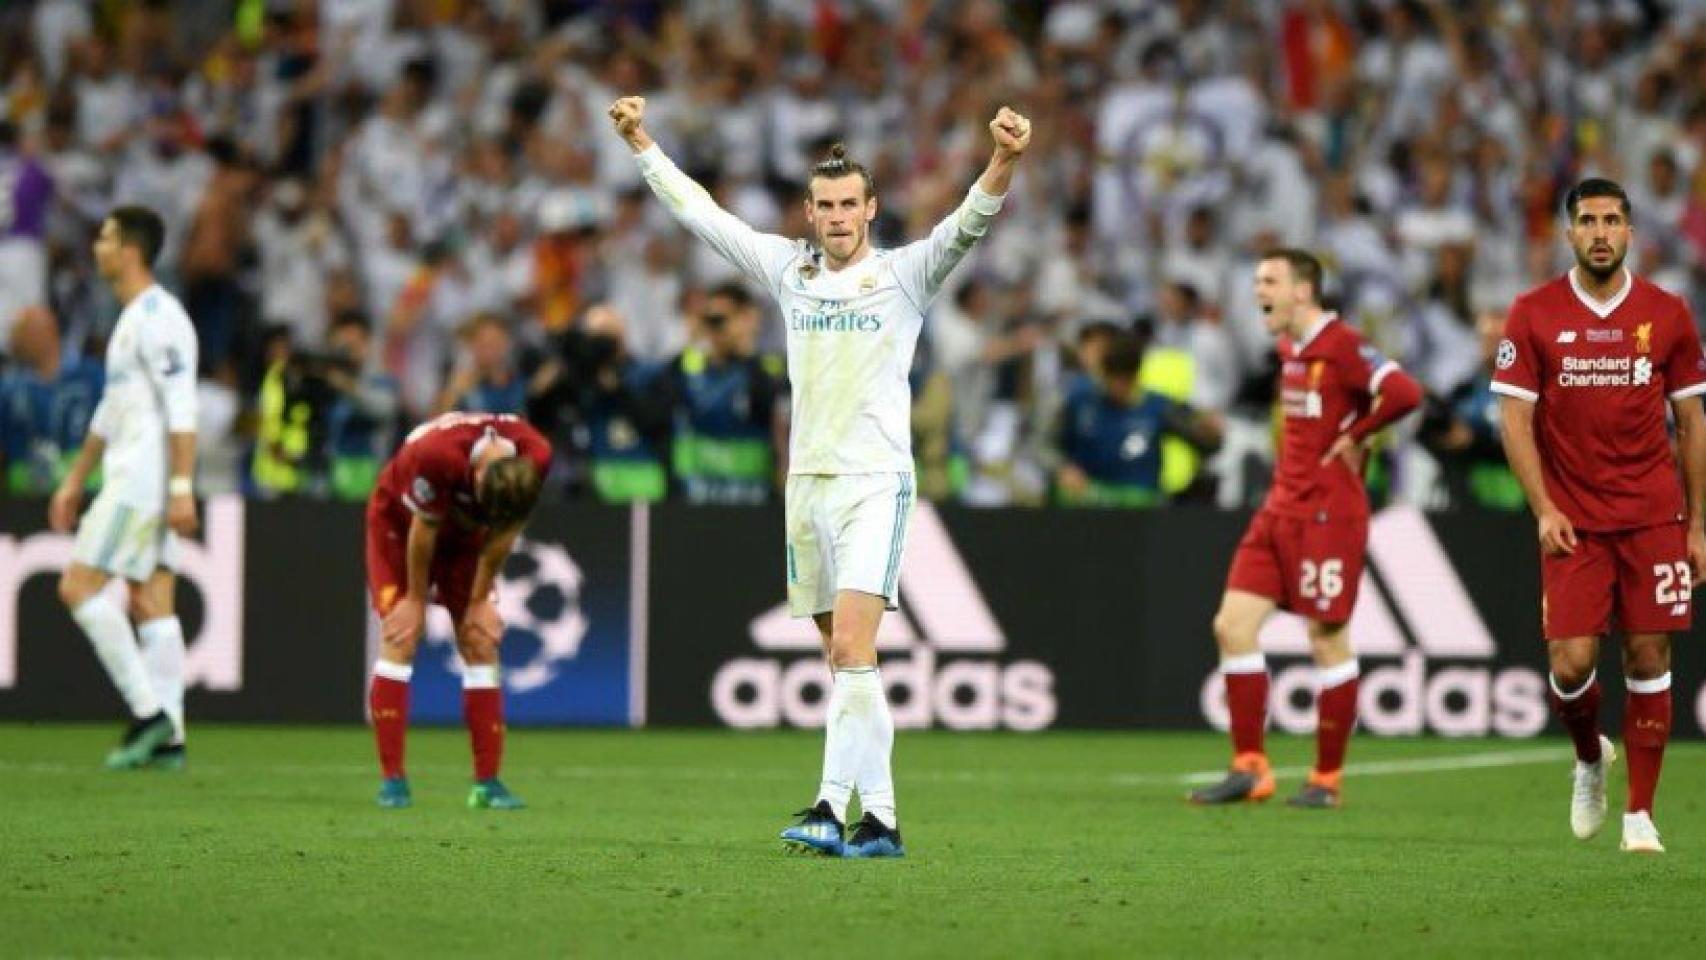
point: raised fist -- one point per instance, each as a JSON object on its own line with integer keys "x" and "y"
{"x": 627, "y": 113}
{"x": 1011, "y": 130}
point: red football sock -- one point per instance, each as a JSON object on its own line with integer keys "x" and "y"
{"x": 1580, "y": 715}
{"x": 483, "y": 711}
{"x": 1646, "y": 728}
{"x": 1335, "y": 719}
{"x": 388, "y": 704}
{"x": 1246, "y": 702}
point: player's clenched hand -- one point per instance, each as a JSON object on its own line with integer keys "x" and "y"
{"x": 1011, "y": 130}
{"x": 180, "y": 515}
{"x": 628, "y": 113}
{"x": 402, "y": 626}
{"x": 62, "y": 508}
{"x": 1345, "y": 448}
{"x": 1557, "y": 536}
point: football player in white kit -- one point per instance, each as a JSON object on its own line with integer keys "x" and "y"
{"x": 143, "y": 435}
{"x": 853, "y": 315}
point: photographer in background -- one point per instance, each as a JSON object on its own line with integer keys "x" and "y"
{"x": 295, "y": 397}
{"x": 361, "y": 426}
{"x": 1461, "y": 430}
{"x": 47, "y": 395}
{"x": 588, "y": 390}
{"x": 1107, "y": 449}
{"x": 485, "y": 379}
{"x": 722, "y": 398}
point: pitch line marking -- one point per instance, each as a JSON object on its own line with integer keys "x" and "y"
{"x": 1494, "y": 759}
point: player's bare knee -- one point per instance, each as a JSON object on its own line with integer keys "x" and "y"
{"x": 1571, "y": 663}
{"x": 75, "y": 588}
{"x": 849, "y": 651}
{"x": 1330, "y": 644}
{"x": 477, "y": 653}
{"x": 1233, "y": 635}
{"x": 70, "y": 593}
{"x": 1646, "y": 658}
{"x": 145, "y": 606}
{"x": 398, "y": 651}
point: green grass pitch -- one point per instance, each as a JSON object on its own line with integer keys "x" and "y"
{"x": 663, "y": 844}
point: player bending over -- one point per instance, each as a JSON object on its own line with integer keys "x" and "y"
{"x": 1585, "y": 371}
{"x": 853, "y": 314}
{"x": 1303, "y": 551}
{"x": 440, "y": 524}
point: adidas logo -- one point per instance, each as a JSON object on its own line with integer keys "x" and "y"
{"x": 941, "y": 655}
{"x": 1416, "y": 613}
{"x": 213, "y": 659}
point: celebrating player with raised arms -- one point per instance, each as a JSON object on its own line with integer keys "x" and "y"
{"x": 853, "y": 315}
{"x": 1303, "y": 551}
{"x": 1586, "y": 369}
{"x": 441, "y": 521}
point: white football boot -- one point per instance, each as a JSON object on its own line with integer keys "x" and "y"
{"x": 1587, "y": 802}
{"x": 1639, "y": 834}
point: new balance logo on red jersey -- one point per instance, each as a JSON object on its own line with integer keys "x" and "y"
{"x": 1567, "y": 336}
{"x": 1419, "y": 597}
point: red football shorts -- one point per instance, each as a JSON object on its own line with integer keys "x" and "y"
{"x": 1308, "y": 566}
{"x": 453, "y": 563}
{"x": 1640, "y": 575}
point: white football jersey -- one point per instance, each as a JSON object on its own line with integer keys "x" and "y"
{"x": 150, "y": 392}
{"x": 851, "y": 332}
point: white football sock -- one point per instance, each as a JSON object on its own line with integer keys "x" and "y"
{"x": 109, "y": 630}
{"x": 841, "y": 747}
{"x": 868, "y": 704}
{"x": 163, "y": 653}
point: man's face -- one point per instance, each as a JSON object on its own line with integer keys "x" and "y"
{"x": 1091, "y": 349}
{"x": 1599, "y": 234}
{"x": 1277, "y": 294}
{"x": 489, "y": 344}
{"x": 840, "y": 214}
{"x": 736, "y": 334}
{"x": 1120, "y": 387}
{"x": 109, "y": 251}
{"x": 350, "y": 342}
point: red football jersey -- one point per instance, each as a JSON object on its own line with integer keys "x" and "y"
{"x": 1327, "y": 382}
{"x": 433, "y": 472}
{"x": 1600, "y": 374}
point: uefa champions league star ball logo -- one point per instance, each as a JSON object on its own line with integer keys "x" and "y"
{"x": 1507, "y": 354}
{"x": 539, "y": 601}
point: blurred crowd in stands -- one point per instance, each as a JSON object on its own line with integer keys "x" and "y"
{"x": 380, "y": 210}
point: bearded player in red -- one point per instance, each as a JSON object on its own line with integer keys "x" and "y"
{"x": 442, "y": 520}
{"x": 1303, "y": 551}
{"x": 1588, "y": 363}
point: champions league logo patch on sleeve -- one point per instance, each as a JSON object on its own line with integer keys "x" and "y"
{"x": 422, "y": 490}
{"x": 1507, "y": 354}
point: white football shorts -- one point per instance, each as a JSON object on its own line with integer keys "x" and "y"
{"x": 125, "y": 541}
{"x": 845, "y": 532}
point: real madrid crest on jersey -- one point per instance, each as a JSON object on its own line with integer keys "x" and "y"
{"x": 867, "y": 283}
{"x": 808, "y": 271}
{"x": 1507, "y": 354}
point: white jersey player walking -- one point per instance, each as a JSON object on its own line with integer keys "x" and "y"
{"x": 853, "y": 315}
{"x": 143, "y": 436}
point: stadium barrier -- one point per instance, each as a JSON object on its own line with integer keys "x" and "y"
{"x": 672, "y": 615}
